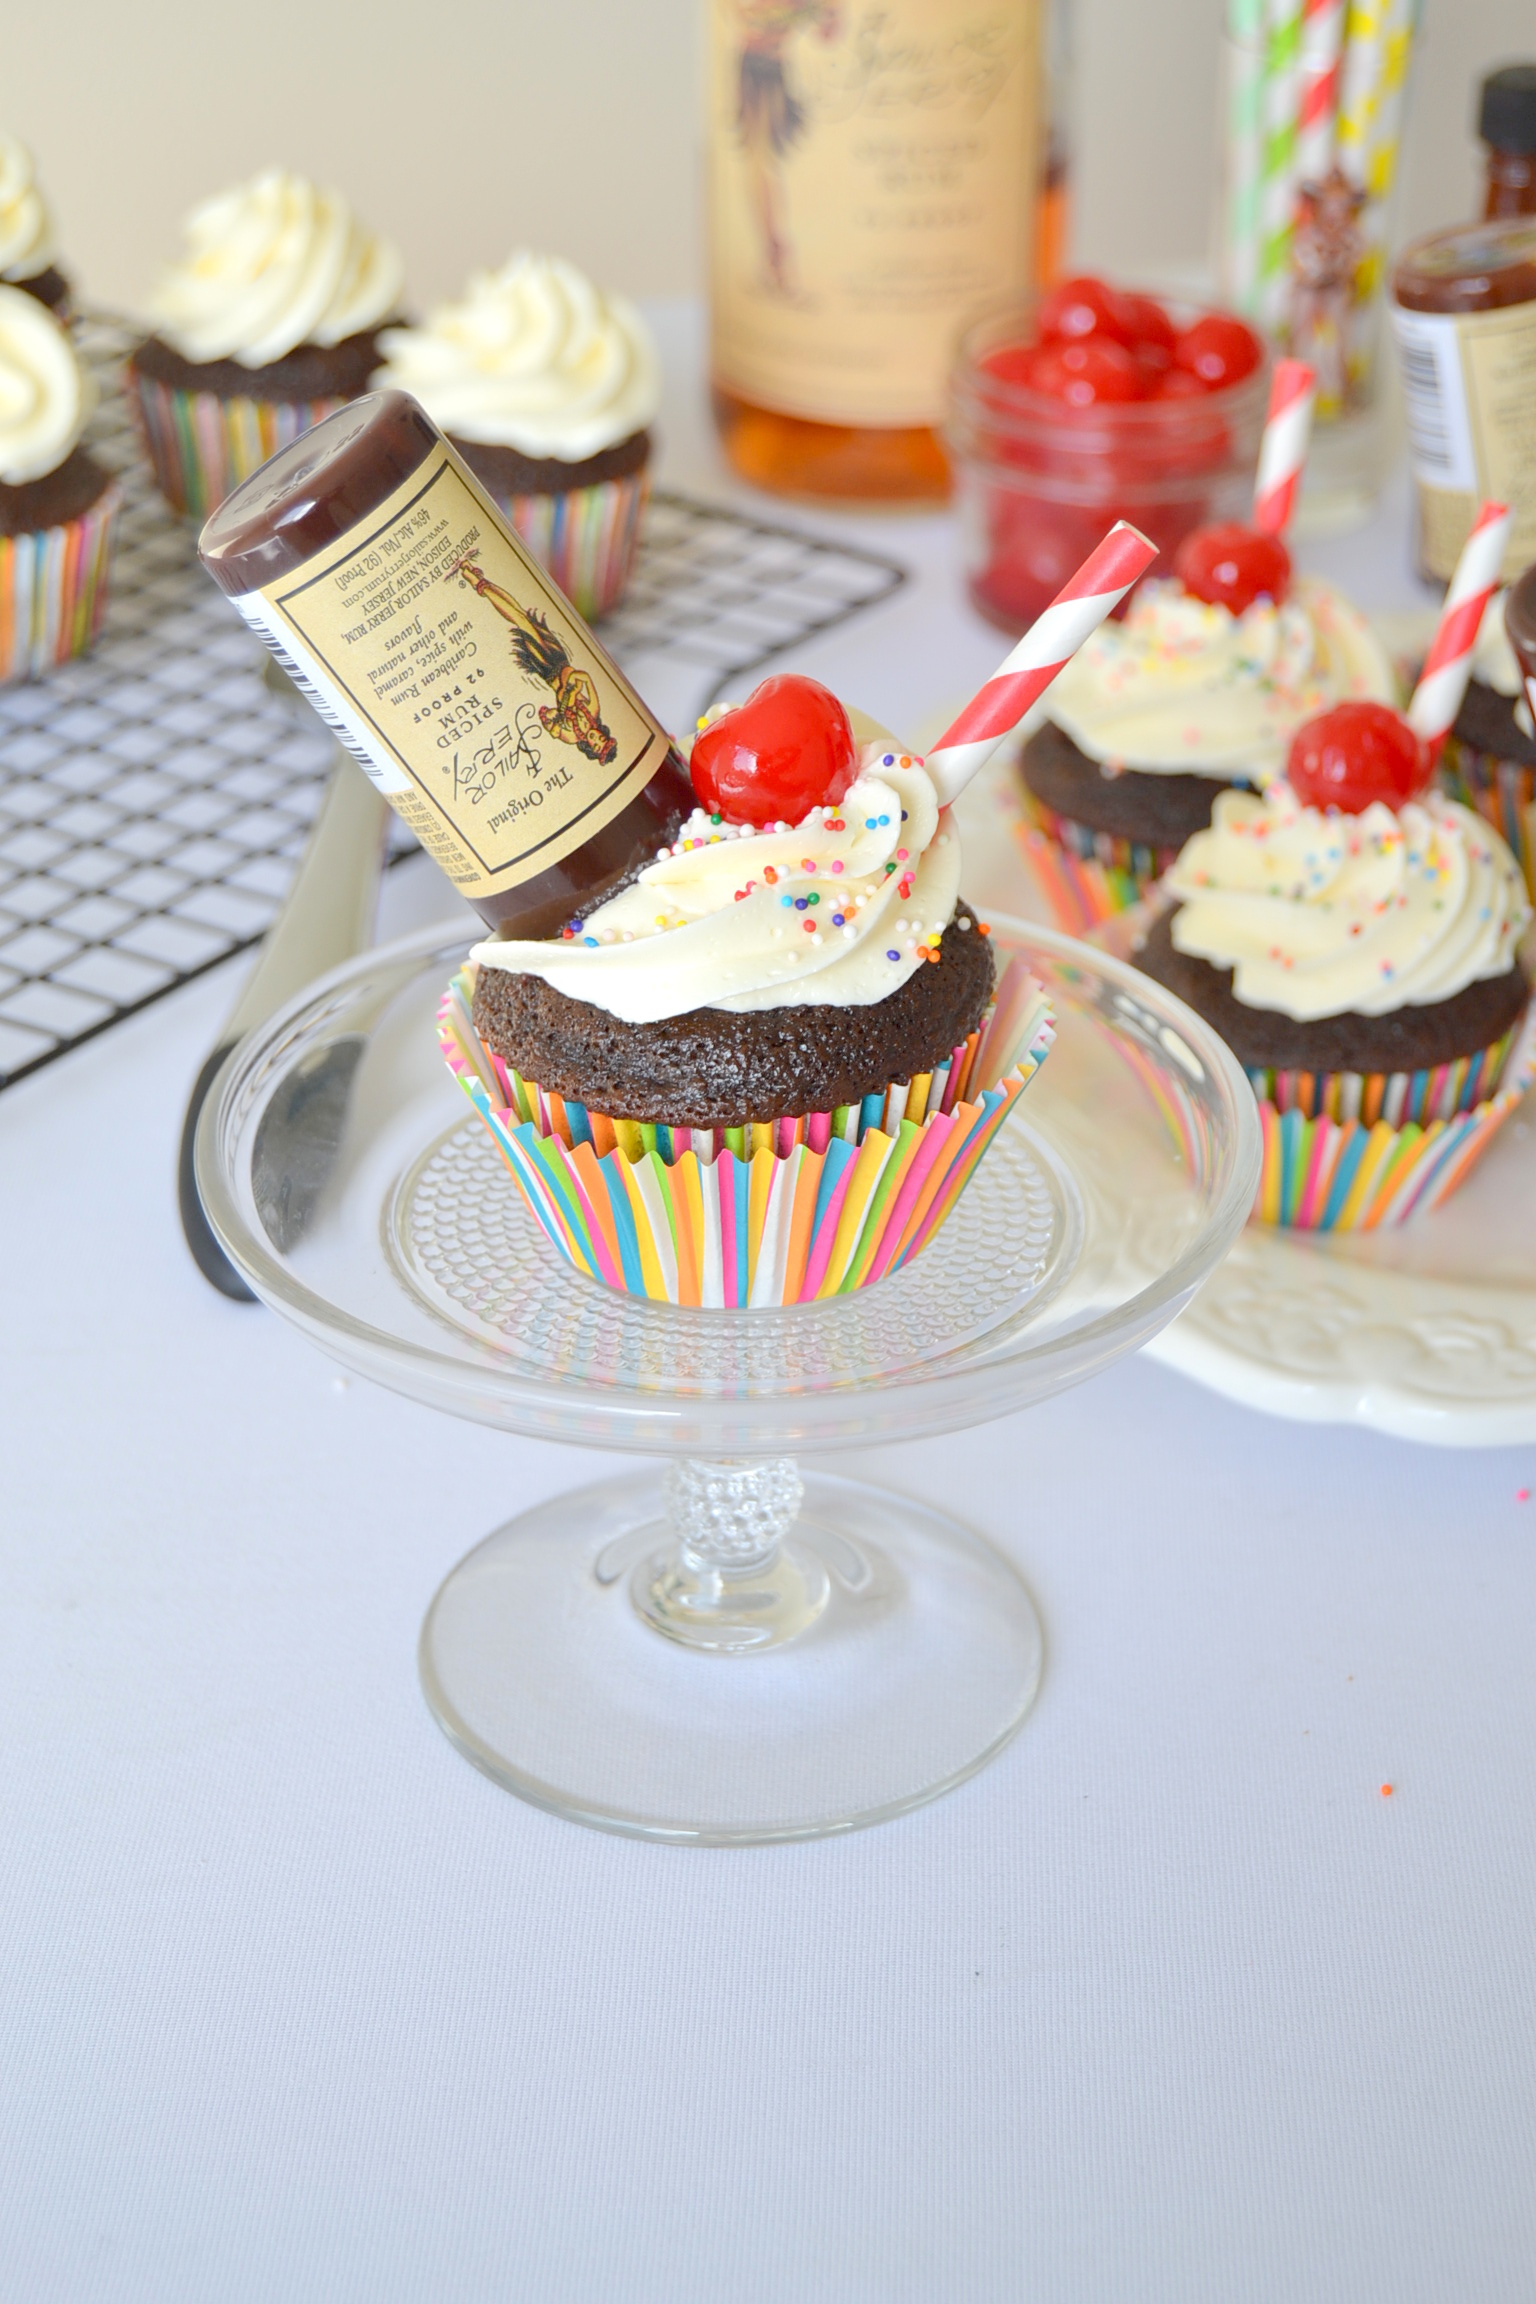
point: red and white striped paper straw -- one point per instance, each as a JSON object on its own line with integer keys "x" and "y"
{"x": 1283, "y": 449}
{"x": 1054, "y": 638}
{"x": 1322, "y": 40}
{"x": 1448, "y": 666}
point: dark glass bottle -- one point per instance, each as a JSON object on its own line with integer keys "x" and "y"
{"x": 390, "y": 587}
{"x": 1506, "y": 122}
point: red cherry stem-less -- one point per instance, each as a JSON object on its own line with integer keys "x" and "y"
{"x": 1230, "y": 566}
{"x": 790, "y": 748}
{"x": 1358, "y": 753}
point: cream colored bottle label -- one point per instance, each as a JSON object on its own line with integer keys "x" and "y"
{"x": 873, "y": 172}
{"x": 462, "y": 682}
{"x": 1469, "y": 388}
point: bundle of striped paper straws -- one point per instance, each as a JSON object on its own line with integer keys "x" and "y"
{"x": 1315, "y": 97}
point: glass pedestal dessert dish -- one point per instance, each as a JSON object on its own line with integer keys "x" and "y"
{"x": 738, "y": 1646}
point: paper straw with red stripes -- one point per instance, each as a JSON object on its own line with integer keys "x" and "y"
{"x": 1054, "y": 638}
{"x": 1448, "y": 666}
{"x": 1322, "y": 40}
{"x": 1283, "y": 449}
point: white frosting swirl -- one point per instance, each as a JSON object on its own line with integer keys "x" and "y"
{"x": 26, "y": 228}
{"x": 835, "y": 911}
{"x": 271, "y": 265}
{"x": 45, "y": 395}
{"x": 534, "y": 358}
{"x": 1326, "y": 915}
{"x": 1183, "y": 688}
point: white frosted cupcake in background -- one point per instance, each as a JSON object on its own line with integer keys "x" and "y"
{"x": 268, "y": 323}
{"x": 1199, "y": 688}
{"x": 1356, "y": 938}
{"x": 548, "y": 388}
{"x": 27, "y": 246}
{"x": 1489, "y": 759}
{"x": 57, "y": 503}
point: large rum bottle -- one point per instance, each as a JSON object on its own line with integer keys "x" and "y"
{"x": 874, "y": 173}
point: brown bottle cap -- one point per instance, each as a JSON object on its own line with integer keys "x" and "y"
{"x": 315, "y": 489}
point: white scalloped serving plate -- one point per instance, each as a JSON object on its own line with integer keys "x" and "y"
{"x": 1428, "y": 1332}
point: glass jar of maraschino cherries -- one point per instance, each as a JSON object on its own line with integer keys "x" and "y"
{"x": 1099, "y": 405}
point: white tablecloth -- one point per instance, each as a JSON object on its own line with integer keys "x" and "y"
{"x": 1169, "y": 2003}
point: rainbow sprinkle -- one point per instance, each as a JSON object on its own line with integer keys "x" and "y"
{"x": 1350, "y": 1152}
{"x": 779, "y": 1212}
{"x": 202, "y": 445}
{"x": 585, "y": 537}
{"x": 53, "y": 589}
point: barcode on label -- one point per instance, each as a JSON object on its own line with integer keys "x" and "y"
{"x": 1434, "y": 399}
{"x": 338, "y": 728}
{"x": 379, "y": 771}
{"x": 1425, "y": 408}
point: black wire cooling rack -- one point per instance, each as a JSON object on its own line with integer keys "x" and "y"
{"x": 155, "y": 797}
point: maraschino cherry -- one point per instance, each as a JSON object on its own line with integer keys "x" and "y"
{"x": 1230, "y": 566}
{"x": 1085, "y": 371}
{"x": 787, "y": 750}
{"x": 1219, "y": 350}
{"x": 1355, "y": 754}
{"x": 1083, "y": 307}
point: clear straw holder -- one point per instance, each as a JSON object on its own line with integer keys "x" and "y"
{"x": 1312, "y": 115}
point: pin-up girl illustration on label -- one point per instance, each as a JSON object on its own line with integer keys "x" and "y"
{"x": 770, "y": 117}
{"x": 575, "y": 717}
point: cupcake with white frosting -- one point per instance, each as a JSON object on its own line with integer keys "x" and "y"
{"x": 57, "y": 504}
{"x": 765, "y": 1070}
{"x": 268, "y": 322}
{"x": 28, "y": 251}
{"x": 1200, "y": 687}
{"x": 548, "y": 388}
{"x": 1489, "y": 758}
{"x": 1356, "y": 937}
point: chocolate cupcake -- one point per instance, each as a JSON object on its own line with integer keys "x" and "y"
{"x": 1354, "y": 937}
{"x": 26, "y": 232}
{"x": 547, "y": 388}
{"x": 268, "y": 324}
{"x": 764, "y": 1070}
{"x": 1489, "y": 758}
{"x": 1195, "y": 691}
{"x": 57, "y": 504}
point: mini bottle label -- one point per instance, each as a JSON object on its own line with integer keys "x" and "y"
{"x": 1469, "y": 389}
{"x": 462, "y": 681}
{"x": 873, "y": 179}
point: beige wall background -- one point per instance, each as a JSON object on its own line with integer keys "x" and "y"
{"x": 573, "y": 125}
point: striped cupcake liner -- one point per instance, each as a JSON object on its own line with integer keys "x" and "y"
{"x": 1086, "y": 877}
{"x": 53, "y": 589}
{"x": 585, "y": 537}
{"x": 1351, "y": 1152}
{"x": 1501, "y": 791}
{"x": 203, "y": 445}
{"x": 780, "y": 1212}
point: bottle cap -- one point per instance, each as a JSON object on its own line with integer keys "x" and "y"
{"x": 1506, "y": 116}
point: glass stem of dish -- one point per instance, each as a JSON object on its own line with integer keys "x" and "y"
{"x": 733, "y": 1580}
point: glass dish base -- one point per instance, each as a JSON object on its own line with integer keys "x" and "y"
{"x": 725, "y": 1650}
{"x": 538, "y": 1662}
